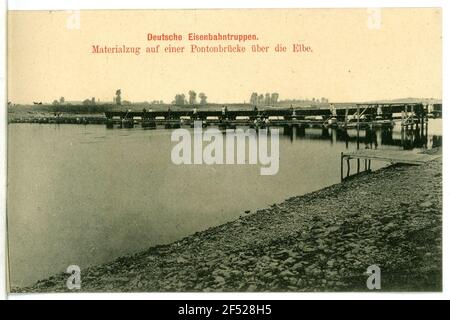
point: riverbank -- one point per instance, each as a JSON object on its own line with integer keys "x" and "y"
{"x": 321, "y": 241}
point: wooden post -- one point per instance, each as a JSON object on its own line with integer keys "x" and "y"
{"x": 402, "y": 135}
{"x": 348, "y": 166}
{"x": 346, "y": 116}
{"x": 357, "y": 167}
{"x": 342, "y": 167}
{"x": 422, "y": 122}
{"x": 357, "y": 128}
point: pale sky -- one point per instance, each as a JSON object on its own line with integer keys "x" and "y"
{"x": 351, "y": 61}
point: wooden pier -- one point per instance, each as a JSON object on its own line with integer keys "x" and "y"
{"x": 411, "y": 157}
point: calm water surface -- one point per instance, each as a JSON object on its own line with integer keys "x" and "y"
{"x": 85, "y": 195}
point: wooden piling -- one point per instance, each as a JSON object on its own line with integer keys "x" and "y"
{"x": 348, "y": 167}
{"x": 346, "y": 117}
{"x": 357, "y": 128}
{"x": 422, "y": 122}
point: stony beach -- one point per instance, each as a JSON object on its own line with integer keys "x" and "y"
{"x": 322, "y": 241}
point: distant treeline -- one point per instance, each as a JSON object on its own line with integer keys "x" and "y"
{"x": 66, "y": 108}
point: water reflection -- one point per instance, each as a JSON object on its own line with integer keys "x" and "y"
{"x": 406, "y": 138}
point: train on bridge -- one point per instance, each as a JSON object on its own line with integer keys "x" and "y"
{"x": 336, "y": 115}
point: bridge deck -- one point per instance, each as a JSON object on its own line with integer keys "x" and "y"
{"x": 394, "y": 156}
{"x": 341, "y": 111}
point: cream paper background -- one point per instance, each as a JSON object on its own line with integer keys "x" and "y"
{"x": 351, "y": 61}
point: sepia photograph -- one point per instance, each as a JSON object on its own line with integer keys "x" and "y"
{"x": 224, "y": 150}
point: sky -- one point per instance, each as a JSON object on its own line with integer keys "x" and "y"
{"x": 357, "y": 55}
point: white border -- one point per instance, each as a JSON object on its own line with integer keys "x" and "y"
{"x": 201, "y": 4}
{"x": 3, "y": 56}
{"x": 205, "y": 4}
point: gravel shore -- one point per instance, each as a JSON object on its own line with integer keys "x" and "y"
{"x": 322, "y": 241}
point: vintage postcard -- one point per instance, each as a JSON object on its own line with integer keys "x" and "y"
{"x": 224, "y": 150}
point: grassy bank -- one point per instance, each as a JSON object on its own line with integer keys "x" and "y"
{"x": 322, "y": 241}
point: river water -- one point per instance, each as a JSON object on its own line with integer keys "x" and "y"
{"x": 85, "y": 195}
